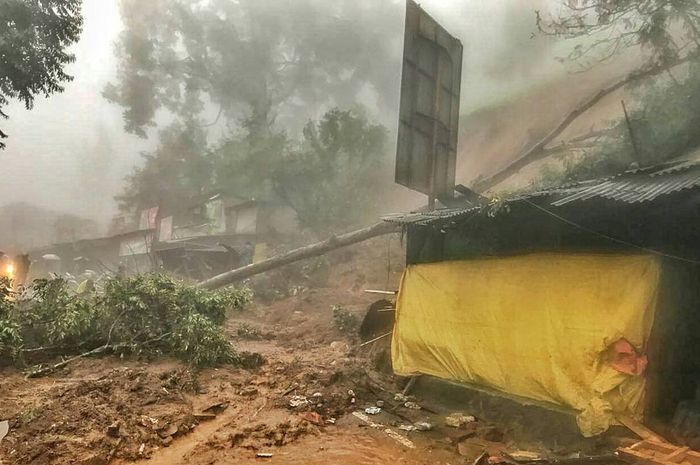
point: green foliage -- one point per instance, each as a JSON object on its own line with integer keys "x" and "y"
{"x": 55, "y": 316}
{"x": 665, "y": 127}
{"x": 246, "y": 331}
{"x": 149, "y": 314}
{"x": 663, "y": 29}
{"x": 262, "y": 67}
{"x": 176, "y": 171}
{"x": 333, "y": 180}
{"x": 200, "y": 341}
{"x": 243, "y": 164}
{"x": 256, "y": 60}
{"x": 11, "y": 339}
{"x": 344, "y": 321}
{"x": 34, "y": 36}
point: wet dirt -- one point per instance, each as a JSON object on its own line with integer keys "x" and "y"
{"x": 297, "y": 406}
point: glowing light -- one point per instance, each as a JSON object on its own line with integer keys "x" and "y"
{"x": 10, "y": 270}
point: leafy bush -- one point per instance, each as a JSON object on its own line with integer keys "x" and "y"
{"x": 200, "y": 341}
{"x": 345, "y": 321}
{"x": 151, "y": 314}
{"x": 246, "y": 331}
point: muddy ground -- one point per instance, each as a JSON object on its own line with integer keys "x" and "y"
{"x": 297, "y": 407}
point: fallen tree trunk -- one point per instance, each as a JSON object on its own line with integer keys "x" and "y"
{"x": 538, "y": 151}
{"x": 313, "y": 250}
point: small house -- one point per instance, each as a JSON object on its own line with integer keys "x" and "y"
{"x": 216, "y": 233}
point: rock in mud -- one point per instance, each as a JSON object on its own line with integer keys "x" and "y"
{"x": 470, "y": 450}
{"x": 113, "y": 430}
{"x": 491, "y": 433}
{"x": 249, "y": 391}
{"x": 170, "y": 430}
{"x": 423, "y": 426}
{"x": 313, "y": 418}
{"x": 459, "y": 420}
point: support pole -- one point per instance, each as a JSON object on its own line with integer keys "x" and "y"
{"x": 313, "y": 250}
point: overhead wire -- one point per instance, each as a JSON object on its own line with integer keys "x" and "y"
{"x": 611, "y": 238}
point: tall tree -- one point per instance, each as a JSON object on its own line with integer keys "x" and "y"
{"x": 172, "y": 174}
{"x": 665, "y": 33}
{"x": 258, "y": 60}
{"x": 333, "y": 180}
{"x": 664, "y": 29}
{"x": 34, "y": 35}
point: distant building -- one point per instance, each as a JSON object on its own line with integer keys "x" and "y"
{"x": 211, "y": 234}
{"x": 217, "y": 232}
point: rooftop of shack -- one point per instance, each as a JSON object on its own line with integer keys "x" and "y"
{"x": 654, "y": 209}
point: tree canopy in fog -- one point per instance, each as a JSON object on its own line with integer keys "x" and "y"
{"x": 332, "y": 177}
{"x": 235, "y": 81}
{"x": 34, "y": 35}
{"x": 253, "y": 59}
{"x": 666, "y": 30}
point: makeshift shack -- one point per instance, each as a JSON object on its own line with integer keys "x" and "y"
{"x": 583, "y": 296}
{"x": 217, "y": 232}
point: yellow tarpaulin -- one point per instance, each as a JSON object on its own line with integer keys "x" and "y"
{"x": 533, "y": 326}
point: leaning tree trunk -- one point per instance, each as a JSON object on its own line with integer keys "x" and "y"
{"x": 539, "y": 151}
{"x": 313, "y": 250}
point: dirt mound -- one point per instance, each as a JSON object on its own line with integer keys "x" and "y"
{"x": 95, "y": 419}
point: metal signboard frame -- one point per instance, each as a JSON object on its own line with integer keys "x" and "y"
{"x": 429, "y": 110}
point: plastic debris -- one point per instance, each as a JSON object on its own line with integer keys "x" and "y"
{"x": 458, "y": 420}
{"x": 417, "y": 426}
{"x": 4, "y": 428}
{"x": 423, "y": 426}
{"x": 524, "y": 456}
{"x": 298, "y": 401}
{"x": 264, "y": 455}
{"x": 372, "y": 410}
{"x": 388, "y": 431}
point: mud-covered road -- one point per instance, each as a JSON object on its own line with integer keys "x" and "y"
{"x": 297, "y": 406}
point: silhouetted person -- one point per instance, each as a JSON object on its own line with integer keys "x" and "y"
{"x": 22, "y": 264}
{"x": 248, "y": 252}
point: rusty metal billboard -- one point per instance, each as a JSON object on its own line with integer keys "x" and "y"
{"x": 429, "y": 111}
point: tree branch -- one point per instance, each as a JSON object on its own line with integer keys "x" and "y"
{"x": 537, "y": 151}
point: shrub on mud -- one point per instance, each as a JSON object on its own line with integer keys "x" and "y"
{"x": 345, "y": 321}
{"x": 148, "y": 314}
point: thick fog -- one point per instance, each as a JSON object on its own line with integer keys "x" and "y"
{"x": 70, "y": 153}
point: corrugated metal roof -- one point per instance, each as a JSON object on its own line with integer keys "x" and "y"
{"x": 632, "y": 186}
{"x": 428, "y": 217}
{"x": 640, "y": 185}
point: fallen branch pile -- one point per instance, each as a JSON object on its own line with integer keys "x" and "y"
{"x": 148, "y": 314}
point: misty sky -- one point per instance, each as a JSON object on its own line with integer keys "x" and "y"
{"x": 54, "y": 150}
